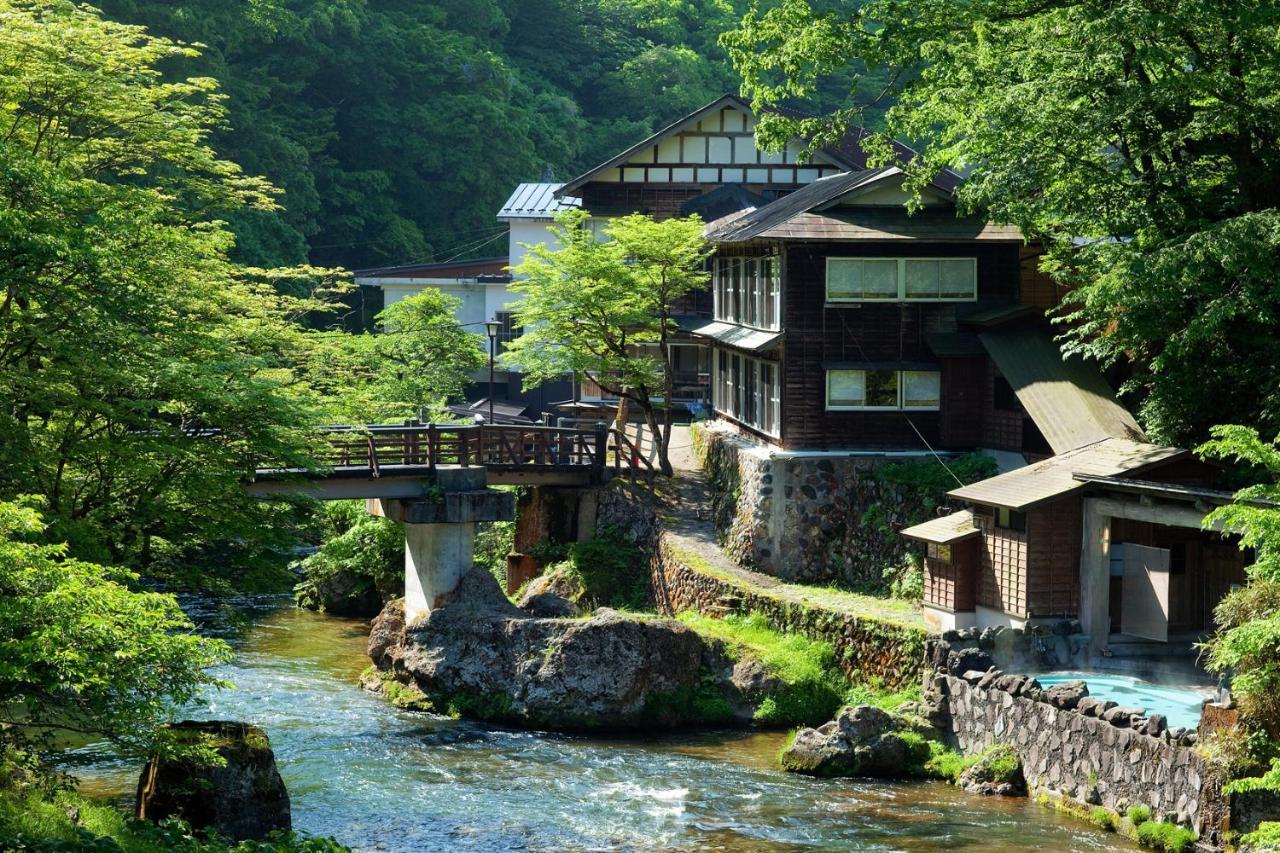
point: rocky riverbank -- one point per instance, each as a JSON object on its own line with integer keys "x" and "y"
{"x": 481, "y": 656}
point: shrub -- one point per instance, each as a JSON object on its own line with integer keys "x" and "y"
{"x": 1168, "y": 837}
{"x": 1265, "y": 837}
{"x": 366, "y": 549}
{"x": 493, "y": 543}
{"x": 1138, "y": 815}
{"x": 1103, "y": 818}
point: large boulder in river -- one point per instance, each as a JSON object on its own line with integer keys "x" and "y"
{"x": 241, "y": 798}
{"x": 861, "y": 741}
{"x": 481, "y": 656}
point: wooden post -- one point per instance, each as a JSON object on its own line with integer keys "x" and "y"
{"x": 433, "y": 446}
{"x": 602, "y": 448}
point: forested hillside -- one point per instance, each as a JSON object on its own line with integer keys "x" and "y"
{"x": 396, "y": 128}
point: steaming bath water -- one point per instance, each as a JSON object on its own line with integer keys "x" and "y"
{"x": 382, "y": 779}
{"x": 1180, "y": 705}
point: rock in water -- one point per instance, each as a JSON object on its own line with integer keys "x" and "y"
{"x": 861, "y": 741}
{"x": 242, "y": 799}
{"x": 996, "y": 773}
{"x": 483, "y": 657}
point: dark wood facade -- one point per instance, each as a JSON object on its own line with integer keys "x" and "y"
{"x": 818, "y": 334}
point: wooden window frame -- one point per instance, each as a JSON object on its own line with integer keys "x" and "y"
{"x": 900, "y": 407}
{"x": 901, "y": 281}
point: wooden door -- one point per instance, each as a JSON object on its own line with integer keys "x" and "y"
{"x": 1144, "y": 610}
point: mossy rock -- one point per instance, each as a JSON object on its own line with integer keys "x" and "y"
{"x": 217, "y": 775}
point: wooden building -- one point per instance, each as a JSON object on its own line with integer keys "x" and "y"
{"x": 706, "y": 163}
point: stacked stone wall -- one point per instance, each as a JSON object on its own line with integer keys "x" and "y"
{"x": 1088, "y": 758}
{"x": 810, "y": 519}
{"x": 867, "y": 648}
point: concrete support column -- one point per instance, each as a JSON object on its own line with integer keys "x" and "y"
{"x": 436, "y": 556}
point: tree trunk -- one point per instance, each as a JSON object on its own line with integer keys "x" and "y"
{"x": 651, "y": 419}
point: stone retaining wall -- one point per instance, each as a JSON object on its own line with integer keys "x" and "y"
{"x": 866, "y": 648}
{"x": 810, "y": 519}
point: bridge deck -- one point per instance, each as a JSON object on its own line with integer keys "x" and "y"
{"x": 386, "y": 461}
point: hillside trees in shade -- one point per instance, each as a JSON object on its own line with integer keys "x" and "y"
{"x": 397, "y": 128}
{"x": 1138, "y": 140}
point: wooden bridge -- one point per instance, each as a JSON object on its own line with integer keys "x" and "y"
{"x": 391, "y": 461}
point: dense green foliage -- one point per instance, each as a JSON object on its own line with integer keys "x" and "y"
{"x": 396, "y": 129}
{"x": 1138, "y": 140}
{"x": 811, "y": 688}
{"x": 603, "y": 309}
{"x": 141, "y": 374}
{"x": 419, "y": 360}
{"x": 73, "y": 823}
{"x": 81, "y": 652}
{"x": 607, "y": 571}
{"x": 361, "y": 559}
{"x": 1265, "y": 837}
{"x": 1247, "y": 643}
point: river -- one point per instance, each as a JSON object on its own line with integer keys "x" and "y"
{"x": 377, "y": 778}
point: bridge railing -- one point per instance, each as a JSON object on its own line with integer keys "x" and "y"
{"x": 413, "y": 445}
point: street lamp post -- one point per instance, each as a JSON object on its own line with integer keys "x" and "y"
{"x": 492, "y": 327}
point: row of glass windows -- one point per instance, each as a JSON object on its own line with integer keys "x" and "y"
{"x": 902, "y": 279}
{"x": 748, "y": 291}
{"x": 884, "y": 389}
{"x": 747, "y": 389}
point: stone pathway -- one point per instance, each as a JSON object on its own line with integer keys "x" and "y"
{"x": 689, "y": 530}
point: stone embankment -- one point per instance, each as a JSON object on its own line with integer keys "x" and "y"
{"x": 874, "y": 641}
{"x": 1074, "y": 745}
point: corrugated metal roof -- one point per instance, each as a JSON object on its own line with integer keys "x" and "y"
{"x": 739, "y": 337}
{"x": 536, "y": 201}
{"x": 1055, "y": 476}
{"x": 1066, "y": 396}
{"x": 944, "y": 530}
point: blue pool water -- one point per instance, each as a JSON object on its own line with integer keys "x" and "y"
{"x": 1180, "y": 705}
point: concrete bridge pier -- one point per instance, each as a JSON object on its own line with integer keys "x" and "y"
{"x": 439, "y": 533}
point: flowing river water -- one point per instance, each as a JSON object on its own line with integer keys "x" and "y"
{"x": 378, "y": 778}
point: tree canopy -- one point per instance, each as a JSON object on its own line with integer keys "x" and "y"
{"x": 603, "y": 309}
{"x": 1138, "y": 140}
{"x": 81, "y": 652}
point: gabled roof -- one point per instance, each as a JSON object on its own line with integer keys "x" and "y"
{"x": 1066, "y": 397}
{"x": 536, "y": 201}
{"x": 847, "y": 153}
{"x": 1054, "y": 477}
{"x": 814, "y": 212}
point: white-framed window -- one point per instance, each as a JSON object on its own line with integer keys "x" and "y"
{"x": 902, "y": 279}
{"x": 884, "y": 390}
{"x": 747, "y": 291}
{"x": 749, "y": 390}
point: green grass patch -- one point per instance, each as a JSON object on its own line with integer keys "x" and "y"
{"x": 1103, "y": 818}
{"x": 1169, "y": 837}
{"x": 812, "y": 688}
{"x": 946, "y": 763}
{"x": 1138, "y": 815}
